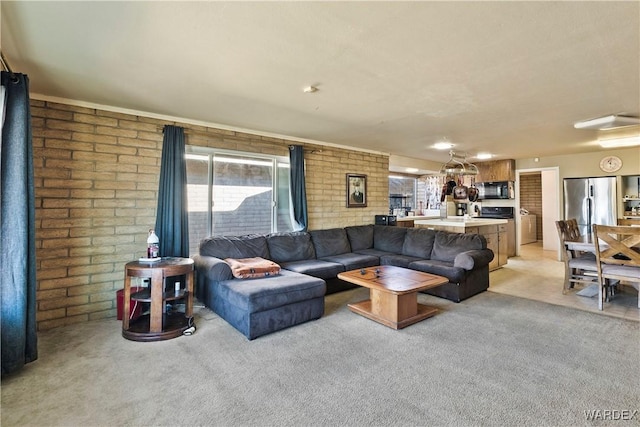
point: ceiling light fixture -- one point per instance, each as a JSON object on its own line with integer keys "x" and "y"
{"x": 458, "y": 165}
{"x": 412, "y": 170}
{"x": 310, "y": 89}
{"x": 612, "y": 121}
{"x": 484, "y": 156}
{"x": 443, "y": 145}
{"x": 629, "y": 141}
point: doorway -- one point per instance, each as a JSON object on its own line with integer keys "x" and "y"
{"x": 538, "y": 193}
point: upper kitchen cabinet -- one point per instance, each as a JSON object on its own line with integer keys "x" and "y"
{"x": 496, "y": 170}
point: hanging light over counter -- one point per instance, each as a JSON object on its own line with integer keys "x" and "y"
{"x": 458, "y": 165}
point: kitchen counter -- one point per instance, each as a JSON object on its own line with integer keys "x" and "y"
{"x": 415, "y": 218}
{"x": 493, "y": 230}
{"x": 460, "y": 222}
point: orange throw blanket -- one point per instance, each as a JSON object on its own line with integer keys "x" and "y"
{"x": 251, "y": 268}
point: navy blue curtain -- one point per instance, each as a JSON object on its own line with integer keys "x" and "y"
{"x": 17, "y": 215}
{"x": 298, "y": 188}
{"x": 172, "y": 225}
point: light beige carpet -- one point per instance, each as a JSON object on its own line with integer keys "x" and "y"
{"x": 492, "y": 360}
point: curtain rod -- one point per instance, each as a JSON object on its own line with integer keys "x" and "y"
{"x": 188, "y": 131}
{"x": 6, "y": 66}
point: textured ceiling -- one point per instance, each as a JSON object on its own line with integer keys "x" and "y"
{"x": 508, "y": 78}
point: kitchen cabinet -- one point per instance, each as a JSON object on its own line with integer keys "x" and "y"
{"x": 503, "y": 242}
{"x": 511, "y": 237}
{"x": 495, "y": 233}
{"x": 496, "y": 170}
{"x": 496, "y": 236}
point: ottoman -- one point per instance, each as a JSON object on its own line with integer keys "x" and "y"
{"x": 259, "y": 306}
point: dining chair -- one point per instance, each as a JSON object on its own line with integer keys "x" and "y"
{"x": 579, "y": 267}
{"x": 617, "y": 256}
{"x": 572, "y": 228}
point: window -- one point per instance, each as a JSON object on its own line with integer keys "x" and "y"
{"x": 402, "y": 193}
{"x": 233, "y": 193}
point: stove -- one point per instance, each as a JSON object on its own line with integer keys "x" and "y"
{"x": 497, "y": 212}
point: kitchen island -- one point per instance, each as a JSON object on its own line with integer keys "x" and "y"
{"x": 409, "y": 221}
{"x": 493, "y": 230}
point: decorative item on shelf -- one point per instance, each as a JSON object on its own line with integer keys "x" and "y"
{"x": 458, "y": 165}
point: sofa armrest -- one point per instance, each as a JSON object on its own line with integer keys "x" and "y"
{"x": 212, "y": 268}
{"x": 470, "y": 260}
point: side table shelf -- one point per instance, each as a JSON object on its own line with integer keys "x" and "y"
{"x": 158, "y": 324}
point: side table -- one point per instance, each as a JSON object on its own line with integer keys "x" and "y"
{"x": 158, "y": 325}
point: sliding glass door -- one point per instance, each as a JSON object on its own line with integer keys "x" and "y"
{"x": 235, "y": 194}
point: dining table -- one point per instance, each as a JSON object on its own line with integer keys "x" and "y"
{"x": 585, "y": 243}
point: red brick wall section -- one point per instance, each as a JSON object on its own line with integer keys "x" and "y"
{"x": 96, "y": 182}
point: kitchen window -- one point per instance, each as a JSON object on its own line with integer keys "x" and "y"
{"x": 235, "y": 193}
{"x": 402, "y": 193}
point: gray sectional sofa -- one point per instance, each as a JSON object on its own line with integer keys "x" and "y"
{"x": 310, "y": 262}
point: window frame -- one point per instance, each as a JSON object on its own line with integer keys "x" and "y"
{"x": 276, "y": 162}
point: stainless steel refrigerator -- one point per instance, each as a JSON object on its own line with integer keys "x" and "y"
{"x": 590, "y": 201}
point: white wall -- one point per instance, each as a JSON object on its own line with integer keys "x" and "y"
{"x": 550, "y": 209}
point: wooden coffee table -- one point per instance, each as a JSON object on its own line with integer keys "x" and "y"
{"x": 393, "y": 294}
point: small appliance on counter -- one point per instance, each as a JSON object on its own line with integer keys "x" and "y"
{"x": 461, "y": 209}
{"x": 474, "y": 209}
{"x": 386, "y": 220}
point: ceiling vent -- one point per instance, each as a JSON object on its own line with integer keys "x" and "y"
{"x": 613, "y": 121}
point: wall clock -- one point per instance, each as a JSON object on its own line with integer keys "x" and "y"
{"x": 610, "y": 164}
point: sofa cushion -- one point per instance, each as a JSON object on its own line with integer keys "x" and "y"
{"x": 293, "y": 246}
{"x": 440, "y": 268}
{"x": 419, "y": 242}
{"x": 448, "y": 245}
{"x": 315, "y": 268}
{"x": 374, "y": 252}
{"x": 235, "y": 246}
{"x": 268, "y": 292}
{"x": 353, "y": 261}
{"x": 388, "y": 238}
{"x": 330, "y": 242}
{"x": 360, "y": 237}
{"x": 398, "y": 260}
{"x": 251, "y": 268}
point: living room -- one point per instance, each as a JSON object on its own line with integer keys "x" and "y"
{"x": 96, "y": 168}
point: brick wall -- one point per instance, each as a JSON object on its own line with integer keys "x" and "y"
{"x": 96, "y": 181}
{"x": 531, "y": 198}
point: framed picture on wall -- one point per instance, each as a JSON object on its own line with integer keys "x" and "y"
{"x": 356, "y": 190}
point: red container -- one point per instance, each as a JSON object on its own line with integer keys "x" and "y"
{"x": 135, "y": 307}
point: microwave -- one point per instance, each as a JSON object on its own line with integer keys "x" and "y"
{"x": 495, "y": 190}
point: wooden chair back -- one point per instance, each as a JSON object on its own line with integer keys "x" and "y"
{"x": 567, "y": 229}
{"x": 561, "y": 226}
{"x": 573, "y": 229}
{"x": 621, "y": 244}
{"x": 617, "y": 256}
